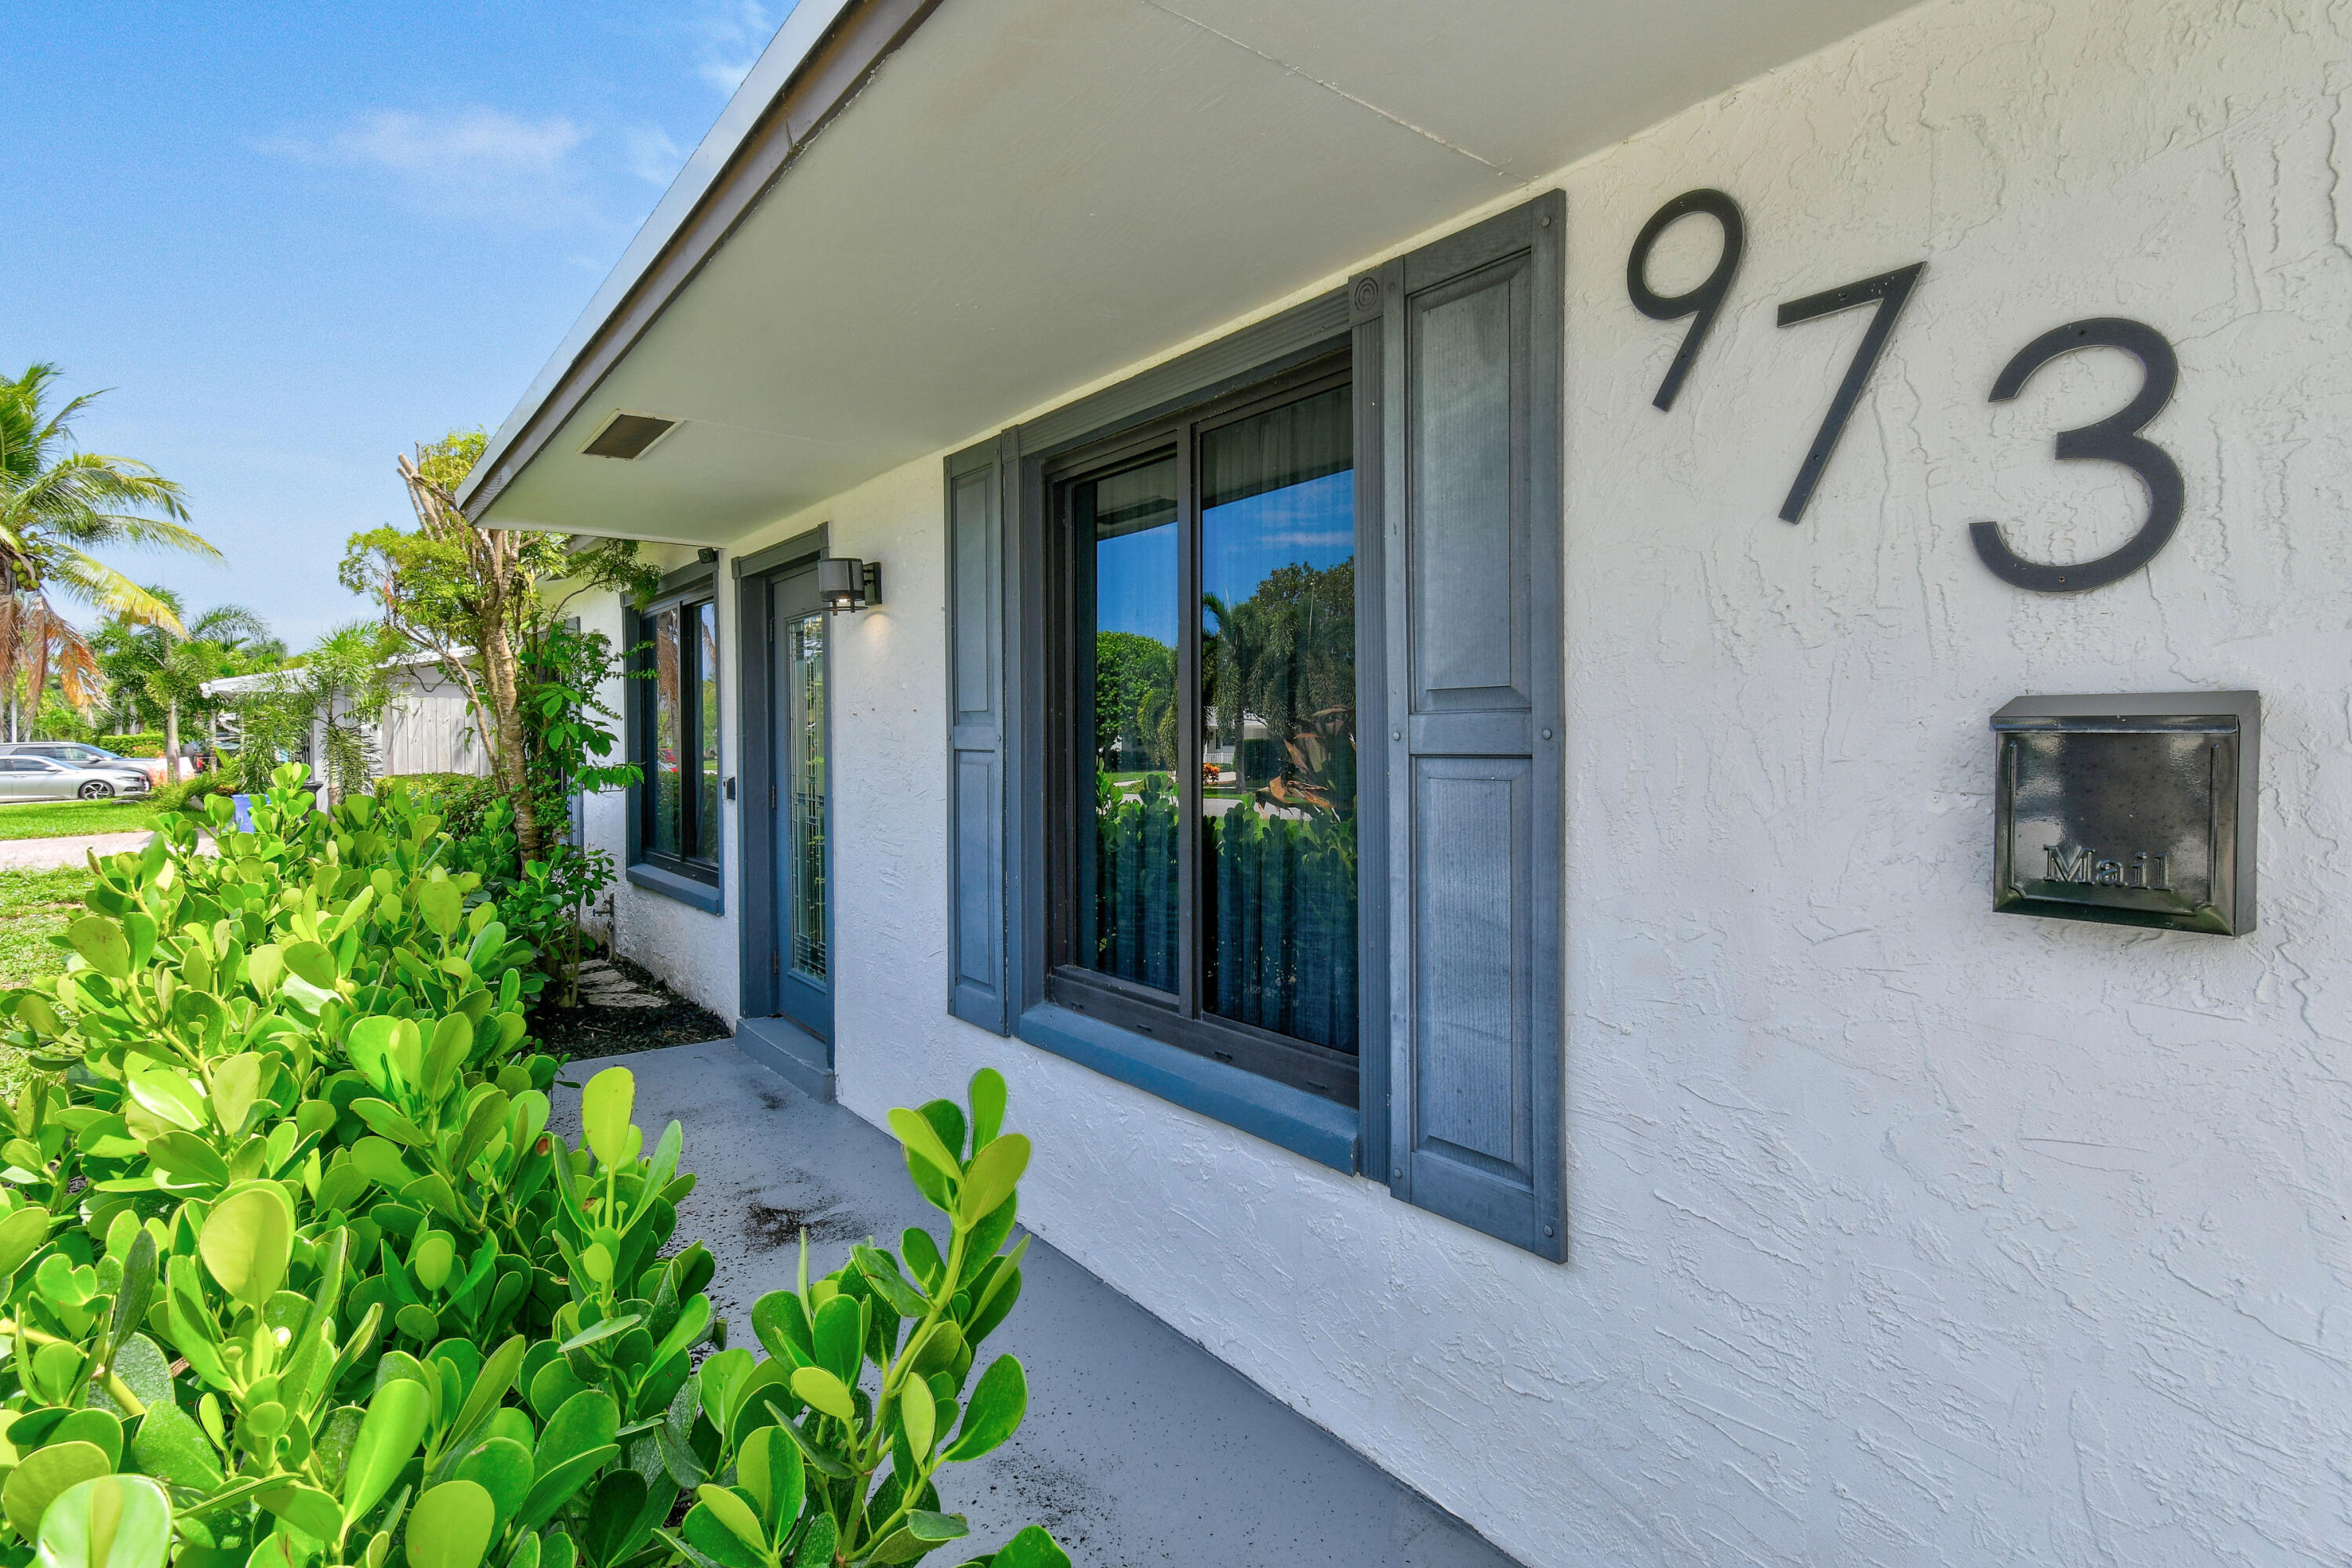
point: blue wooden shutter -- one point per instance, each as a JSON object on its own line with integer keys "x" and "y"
{"x": 977, "y": 988}
{"x": 1466, "y": 484}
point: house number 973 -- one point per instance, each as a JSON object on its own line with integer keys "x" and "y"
{"x": 2115, "y": 439}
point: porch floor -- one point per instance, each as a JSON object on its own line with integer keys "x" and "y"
{"x": 1140, "y": 1448}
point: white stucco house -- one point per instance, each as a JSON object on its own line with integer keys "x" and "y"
{"x": 1445, "y": 577}
{"x": 427, "y": 725}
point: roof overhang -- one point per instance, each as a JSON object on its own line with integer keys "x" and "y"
{"x": 1010, "y": 199}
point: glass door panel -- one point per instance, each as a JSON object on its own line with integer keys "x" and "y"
{"x": 803, "y": 817}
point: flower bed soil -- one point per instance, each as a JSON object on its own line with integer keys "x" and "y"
{"x": 590, "y": 1030}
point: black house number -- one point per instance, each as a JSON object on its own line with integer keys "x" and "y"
{"x": 2115, "y": 439}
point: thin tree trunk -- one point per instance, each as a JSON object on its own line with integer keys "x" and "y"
{"x": 500, "y": 671}
{"x": 172, "y": 741}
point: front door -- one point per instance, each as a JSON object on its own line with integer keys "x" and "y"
{"x": 803, "y": 754}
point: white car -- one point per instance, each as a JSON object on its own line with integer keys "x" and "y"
{"x": 45, "y": 778}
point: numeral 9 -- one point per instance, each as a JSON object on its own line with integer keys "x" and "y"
{"x": 1704, "y": 302}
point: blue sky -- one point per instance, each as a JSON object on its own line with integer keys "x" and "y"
{"x": 296, "y": 238}
{"x": 1310, "y": 524}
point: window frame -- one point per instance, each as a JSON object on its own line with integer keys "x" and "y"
{"x": 1181, "y": 1020}
{"x": 686, "y": 878}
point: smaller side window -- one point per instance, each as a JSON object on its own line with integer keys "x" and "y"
{"x": 676, "y": 743}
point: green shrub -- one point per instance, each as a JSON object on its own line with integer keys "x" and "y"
{"x": 189, "y": 793}
{"x": 295, "y": 1274}
{"x": 146, "y": 743}
{"x": 461, "y": 800}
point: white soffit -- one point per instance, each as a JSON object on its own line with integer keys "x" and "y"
{"x": 1032, "y": 194}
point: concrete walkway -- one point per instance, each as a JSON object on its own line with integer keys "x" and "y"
{"x": 1141, "y": 1448}
{"x": 48, "y": 854}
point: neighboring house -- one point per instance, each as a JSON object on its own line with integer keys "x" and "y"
{"x": 427, "y": 725}
{"x": 1517, "y": 975}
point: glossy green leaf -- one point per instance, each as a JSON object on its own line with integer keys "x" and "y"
{"x": 502, "y": 1467}
{"x": 441, "y": 905}
{"x": 586, "y": 1421}
{"x": 551, "y": 1384}
{"x": 1033, "y": 1548}
{"x": 394, "y": 1425}
{"x": 264, "y": 966}
{"x": 556, "y": 1484}
{"x": 923, "y": 1141}
{"x": 768, "y": 1465}
{"x": 167, "y": 1096}
{"x": 367, "y": 1044}
{"x": 312, "y": 961}
{"x": 782, "y": 1326}
{"x": 97, "y": 1427}
{"x": 824, "y": 1393}
{"x": 918, "y": 1416}
{"x": 169, "y": 1444}
{"x": 450, "y": 1526}
{"x": 247, "y": 1240}
{"x": 995, "y": 1172}
{"x": 235, "y": 1085}
{"x": 736, "y": 1514}
{"x": 379, "y": 1161}
{"x": 708, "y": 1537}
{"x": 987, "y": 1096}
{"x": 102, "y": 946}
{"x": 186, "y": 1159}
{"x": 489, "y": 1385}
{"x": 107, "y": 1521}
{"x": 605, "y": 1105}
{"x": 839, "y": 1337}
{"x": 998, "y": 1403}
{"x": 597, "y": 1333}
{"x": 818, "y": 1545}
{"x": 43, "y": 1476}
{"x": 306, "y": 1509}
{"x": 21, "y": 1235}
{"x": 928, "y": 1525}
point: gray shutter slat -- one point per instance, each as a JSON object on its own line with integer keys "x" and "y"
{"x": 1466, "y": 380}
{"x": 976, "y": 969}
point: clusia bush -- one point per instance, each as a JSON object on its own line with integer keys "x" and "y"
{"x": 294, "y": 1273}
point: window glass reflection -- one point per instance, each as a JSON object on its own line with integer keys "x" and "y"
{"x": 669, "y": 724}
{"x": 1278, "y": 720}
{"x": 705, "y": 729}
{"x": 1127, "y": 897}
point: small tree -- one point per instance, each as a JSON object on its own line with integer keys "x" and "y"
{"x": 337, "y": 691}
{"x": 470, "y": 598}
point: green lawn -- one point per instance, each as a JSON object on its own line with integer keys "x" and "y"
{"x": 71, "y": 818}
{"x": 34, "y": 907}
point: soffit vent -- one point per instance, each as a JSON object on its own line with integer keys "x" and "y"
{"x": 628, "y": 435}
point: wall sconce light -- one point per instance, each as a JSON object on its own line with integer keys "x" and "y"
{"x": 845, "y": 582}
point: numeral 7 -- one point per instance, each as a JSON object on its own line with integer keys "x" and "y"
{"x": 1889, "y": 290}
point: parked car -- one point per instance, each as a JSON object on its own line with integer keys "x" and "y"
{"x": 25, "y": 777}
{"x": 81, "y": 754}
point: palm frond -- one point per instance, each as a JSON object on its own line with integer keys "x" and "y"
{"x": 95, "y": 582}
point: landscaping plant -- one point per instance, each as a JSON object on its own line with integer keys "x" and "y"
{"x": 294, "y": 1273}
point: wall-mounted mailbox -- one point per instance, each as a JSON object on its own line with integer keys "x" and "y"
{"x": 2134, "y": 810}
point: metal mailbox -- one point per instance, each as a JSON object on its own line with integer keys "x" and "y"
{"x": 2133, "y": 809}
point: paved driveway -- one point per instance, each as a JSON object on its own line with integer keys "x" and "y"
{"x": 48, "y": 854}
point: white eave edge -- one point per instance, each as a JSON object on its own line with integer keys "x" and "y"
{"x": 786, "y": 52}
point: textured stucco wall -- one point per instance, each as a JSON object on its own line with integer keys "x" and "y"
{"x": 1900, "y": 1233}
{"x": 695, "y": 951}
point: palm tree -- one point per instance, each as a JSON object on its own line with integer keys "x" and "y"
{"x": 57, "y": 504}
{"x": 223, "y": 636}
